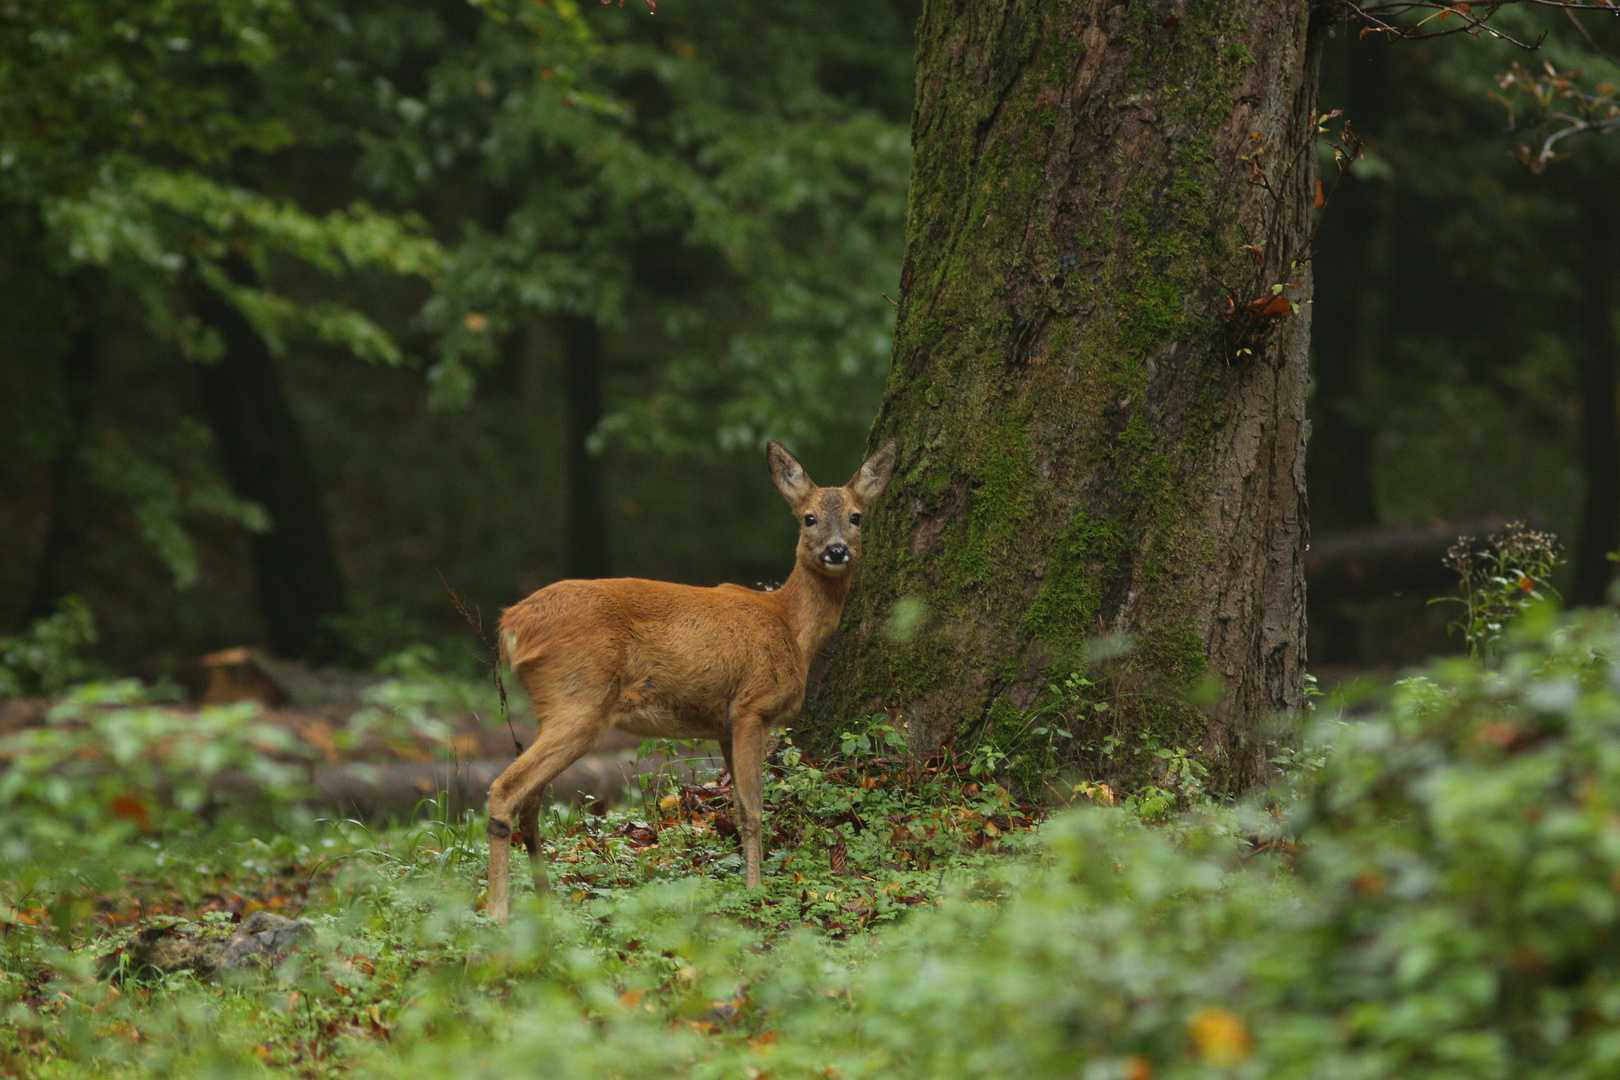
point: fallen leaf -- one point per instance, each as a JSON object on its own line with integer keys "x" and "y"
{"x": 1502, "y": 733}
{"x": 1271, "y": 307}
{"x": 131, "y": 808}
{"x": 1369, "y": 883}
{"x": 1221, "y": 1036}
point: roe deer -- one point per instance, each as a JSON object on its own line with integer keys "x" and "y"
{"x": 677, "y": 661}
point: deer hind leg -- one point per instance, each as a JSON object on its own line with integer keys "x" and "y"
{"x": 529, "y": 826}
{"x": 745, "y": 756}
{"x": 567, "y": 733}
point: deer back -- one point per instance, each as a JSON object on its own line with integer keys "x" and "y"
{"x": 670, "y": 660}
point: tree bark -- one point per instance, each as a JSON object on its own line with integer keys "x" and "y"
{"x": 587, "y": 513}
{"x": 262, "y": 450}
{"x": 69, "y": 522}
{"x": 1082, "y": 455}
{"x": 1600, "y": 442}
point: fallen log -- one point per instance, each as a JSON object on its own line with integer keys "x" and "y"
{"x": 396, "y": 790}
{"x": 1386, "y": 562}
{"x": 382, "y": 780}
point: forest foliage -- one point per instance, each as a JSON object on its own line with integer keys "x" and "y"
{"x": 413, "y": 204}
{"x": 410, "y": 204}
{"x": 1428, "y": 891}
{"x": 439, "y": 192}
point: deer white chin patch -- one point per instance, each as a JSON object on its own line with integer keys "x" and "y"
{"x": 834, "y": 568}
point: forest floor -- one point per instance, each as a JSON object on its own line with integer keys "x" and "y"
{"x": 376, "y": 922}
{"x": 1430, "y": 889}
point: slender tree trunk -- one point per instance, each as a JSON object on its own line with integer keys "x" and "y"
{"x": 296, "y": 572}
{"x": 1082, "y": 454}
{"x": 69, "y": 522}
{"x": 587, "y": 513}
{"x": 1600, "y": 443}
{"x": 1350, "y": 319}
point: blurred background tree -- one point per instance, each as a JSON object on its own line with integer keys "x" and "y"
{"x": 507, "y": 291}
{"x": 138, "y": 230}
{"x": 661, "y": 238}
{"x": 1464, "y": 340}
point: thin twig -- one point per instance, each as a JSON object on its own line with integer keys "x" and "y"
{"x": 492, "y": 656}
{"x": 1379, "y": 17}
{"x": 1590, "y": 40}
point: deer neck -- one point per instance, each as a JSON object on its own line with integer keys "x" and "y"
{"x": 815, "y": 603}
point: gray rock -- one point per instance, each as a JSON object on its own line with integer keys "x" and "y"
{"x": 262, "y": 939}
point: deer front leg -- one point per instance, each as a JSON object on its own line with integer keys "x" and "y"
{"x": 747, "y": 761}
{"x": 731, "y": 770}
{"x": 725, "y": 752}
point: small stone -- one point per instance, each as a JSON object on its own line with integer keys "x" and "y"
{"x": 262, "y": 938}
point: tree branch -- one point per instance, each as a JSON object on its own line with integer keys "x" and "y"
{"x": 1474, "y": 17}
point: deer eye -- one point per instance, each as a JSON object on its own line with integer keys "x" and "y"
{"x": 854, "y": 519}
{"x": 809, "y": 520}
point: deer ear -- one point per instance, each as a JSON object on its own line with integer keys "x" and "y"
{"x": 872, "y": 477}
{"x": 788, "y": 474}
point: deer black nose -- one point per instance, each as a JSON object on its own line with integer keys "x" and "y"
{"x": 835, "y": 555}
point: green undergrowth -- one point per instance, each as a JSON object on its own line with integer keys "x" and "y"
{"x": 1431, "y": 890}
{"x": 647, "y": 916}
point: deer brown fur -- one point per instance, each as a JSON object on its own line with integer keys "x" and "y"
{"x": 677, "y": 661}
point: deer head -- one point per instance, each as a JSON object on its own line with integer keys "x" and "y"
{"x": 830, "y": 517}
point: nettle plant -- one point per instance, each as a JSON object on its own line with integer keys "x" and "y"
{"x": 1500, "y": 580}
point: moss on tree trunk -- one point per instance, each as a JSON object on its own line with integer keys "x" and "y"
{"x": 1081, "y": 457}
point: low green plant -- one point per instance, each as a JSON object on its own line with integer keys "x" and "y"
{"x": 1028, "y": 749}
{"x": 1500, "y": 580}
{"x": 852, "y": 842}
{"x": 1429, "y": 894}
{"x": 109, "y": 769}
{"x": 985, "y": 760}
{"x": 49, "y": 655}
{"x": 1178, "y": 784}
{"x": 876, "y": 735}
{"x": 1176, "y": 780}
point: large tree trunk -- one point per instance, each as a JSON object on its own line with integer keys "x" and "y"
{"x": 1600, "y": 442}
{"x": 1082, "y": 455}
{"x": 295, "y": 571}
{"x": 587, "y": 502}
